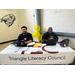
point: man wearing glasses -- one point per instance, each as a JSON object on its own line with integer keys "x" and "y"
{"x": 25, "y": 36}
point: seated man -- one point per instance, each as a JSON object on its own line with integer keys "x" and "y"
{"x": 49, "y": 35}
{"x": 25, "y": 36}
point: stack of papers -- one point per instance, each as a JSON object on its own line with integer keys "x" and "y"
{"x": 32, "y": 43}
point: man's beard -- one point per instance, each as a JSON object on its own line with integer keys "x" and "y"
{"x": 50, "y": 32}
{"x": 25, "y": 33}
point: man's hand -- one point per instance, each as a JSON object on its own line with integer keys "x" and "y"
{"x": 44, "y": 39}
{"x": 22, "y": 40}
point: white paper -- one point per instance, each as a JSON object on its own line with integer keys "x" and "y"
{"x": 13, "y": 49}
{"x": 51, "y": 48}
{"x": 22, "y": 49}
{"x": 32, "y": 43}
{"x": 32, "y": 49}
{"x": 58, "y": 48}
{"x": 43, "y": 45}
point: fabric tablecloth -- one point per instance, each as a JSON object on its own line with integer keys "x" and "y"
{"x": 37, "y": 55}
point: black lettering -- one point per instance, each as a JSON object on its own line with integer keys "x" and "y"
{"x": 57, "y": 58}
{"x": 15, "y": 58}
{"x": 21, "y": 59}
{"x": 29, "y": 58}
{"x": 63, "y": 57}
{"x": 49, "y": 57}
{"x": 25, "y": 58}
{"x": 18, "y": 58}
{"x": 10, "y": 58}
{"x": 37, "y": 58}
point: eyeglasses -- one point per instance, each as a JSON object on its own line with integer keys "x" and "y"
{"x": 23, "y": 29}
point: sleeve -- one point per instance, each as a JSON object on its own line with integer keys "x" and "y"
{"x": 31, "y": 38}
{"x": 19, "y": 37}
{"x": 44, "y": 36}
{"x": 56, "y": 37}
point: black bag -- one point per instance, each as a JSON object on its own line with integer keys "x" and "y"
{"x": 64, "y": 43}
{"x": 19, "y": 43}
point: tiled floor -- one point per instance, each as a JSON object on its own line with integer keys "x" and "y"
{"x": 2, "y": 46}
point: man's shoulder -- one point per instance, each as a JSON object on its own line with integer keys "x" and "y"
{"x": 46, "y": 33}
{"x": 20, "y": 34}
{"x": 54, "y": 33}
{"x": 29, "y": 33}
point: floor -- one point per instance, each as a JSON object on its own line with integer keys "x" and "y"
{"x": 2, "y": 46}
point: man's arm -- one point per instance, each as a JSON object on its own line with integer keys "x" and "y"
{"x": 19, "y": 38}
{"x": 28, "y": 41}
{"x": 44, "y": 37}
{"x": 56, "y": 37}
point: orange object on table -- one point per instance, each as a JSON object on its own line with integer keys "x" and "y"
{"x": 37, "y": 45}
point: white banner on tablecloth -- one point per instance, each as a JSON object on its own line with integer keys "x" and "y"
{"x": 59, "y": 58}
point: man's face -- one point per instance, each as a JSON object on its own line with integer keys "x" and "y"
{"x": 49, "y": 29}
{"x": 24, "y": 30}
